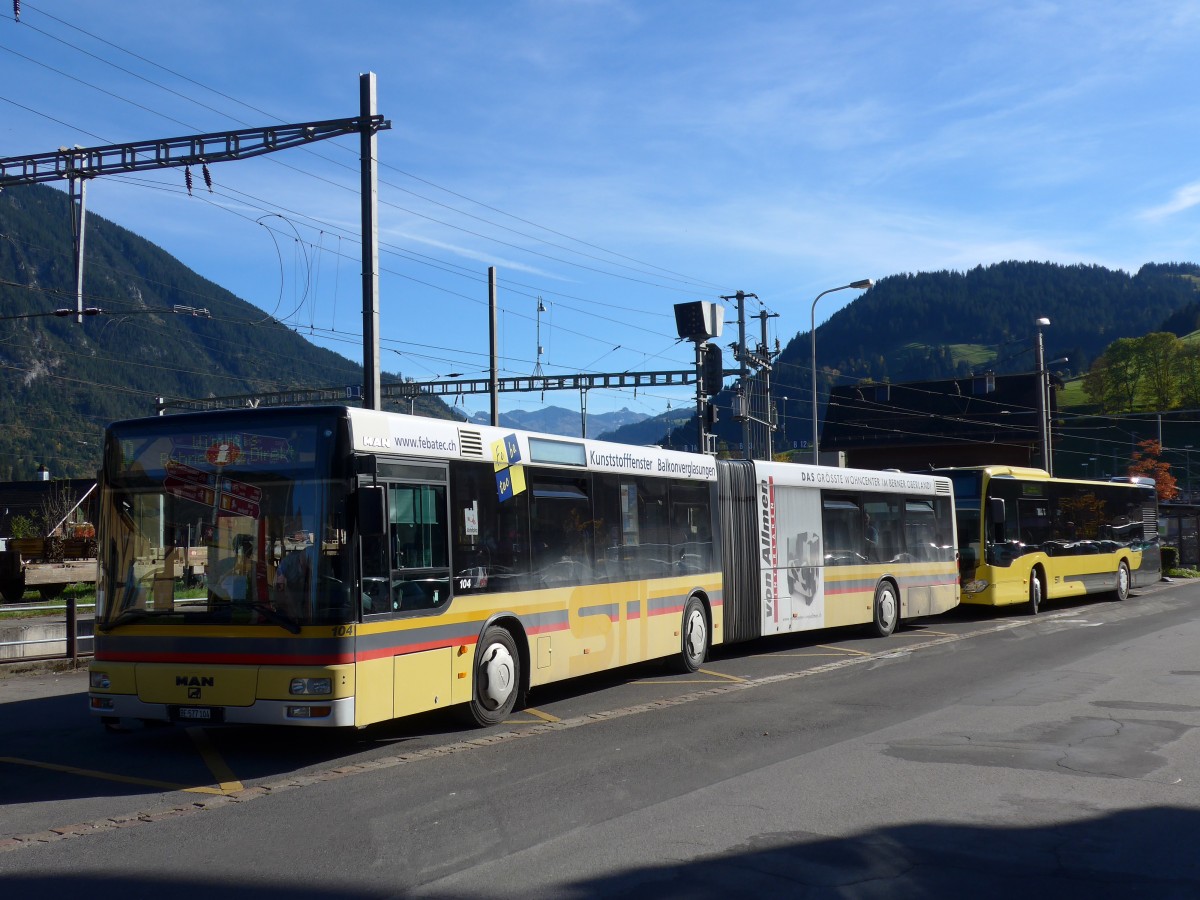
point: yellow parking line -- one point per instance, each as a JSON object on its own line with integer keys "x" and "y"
{"x": 922, "y": 633}
{"x": 544, "y": 716}
{"x": 108, "y": 776}
{"x": 722, "y": 675}
{"x": 225, "y": 778}
{"x": 845, "y": 650}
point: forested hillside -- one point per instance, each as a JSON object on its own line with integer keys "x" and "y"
{"x": 931, "y": 325}
{"x": 62, "y": 381}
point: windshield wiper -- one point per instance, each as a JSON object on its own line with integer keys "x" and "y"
{"x": 267, "y": 611}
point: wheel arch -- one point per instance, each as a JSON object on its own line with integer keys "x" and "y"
{"x": 511, "y": 623}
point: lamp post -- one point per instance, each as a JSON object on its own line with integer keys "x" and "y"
{"x": 1043, "y": 400}
{"x": 861, "y": 285}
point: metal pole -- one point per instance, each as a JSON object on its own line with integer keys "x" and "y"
{"x": 370, "y": 243}
{"x": 1043, "y": 409}
{"x": 861, "y": 285}
{"x": 78, "y": 222}
{"x": 703, "y": 444}
{"x": 744, "y": 374}
{"x": 492, "y": 345}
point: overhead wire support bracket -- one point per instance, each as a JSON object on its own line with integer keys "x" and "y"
{"x": 196, "y": 149}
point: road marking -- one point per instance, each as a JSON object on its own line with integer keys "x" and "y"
{"x": 734, "y": 678}
{"x": 544, "y": 716}
{"x": 109, "y": 776}
{"x": 225, "y": 778}
{"x": 845, "y": 650}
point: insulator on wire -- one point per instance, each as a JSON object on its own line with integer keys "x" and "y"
{"x": 187, "y": 179}
{"x": 17, "y": 10}
{"x": 207, "y": 177}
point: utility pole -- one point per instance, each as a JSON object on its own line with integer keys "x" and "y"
{"x": 493, "y": 352}
{"x": 742, "y": 413}
{"x": 764, "y": 361}
{"x": 369, "y": 195}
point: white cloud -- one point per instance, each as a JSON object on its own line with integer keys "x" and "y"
{"x": 1184, "y": 199}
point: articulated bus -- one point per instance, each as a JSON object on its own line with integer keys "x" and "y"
{"x": 1025, "y": 537}
{"x": 359, "y": 566}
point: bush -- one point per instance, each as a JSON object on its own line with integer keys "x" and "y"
{"x": 23, "y": 527}
{"x": 1170, "y": 558}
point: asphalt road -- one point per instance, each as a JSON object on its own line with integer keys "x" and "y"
{"x": 997, "y": 754}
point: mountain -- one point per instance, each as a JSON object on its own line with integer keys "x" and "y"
{"x": 557, "y": 420}
{"x": 933, "y": 325}
{"x": 61, "y": 381}
{"x": 658, "y": 429}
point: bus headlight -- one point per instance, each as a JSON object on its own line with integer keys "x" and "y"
{"x": 311, "y": 686}
{"x": 974, "y": 587}
{"x": 99, "y": 680}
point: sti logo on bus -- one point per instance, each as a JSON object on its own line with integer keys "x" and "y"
{"x": 767, "y": 543}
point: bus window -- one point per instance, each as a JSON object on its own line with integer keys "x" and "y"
{"x": 842, "y": 523}
{"x": 884, "y": 528}
{"x": 691, "y": 528}
{"x": 560, "y": 520}
{"x": 408, "y": 570}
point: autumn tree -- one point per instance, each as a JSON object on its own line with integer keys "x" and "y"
{"x": 1147, "y": 463}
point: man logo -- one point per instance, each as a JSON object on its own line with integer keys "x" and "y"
{"x": 194, "y": 681}
{"x": 194, "y": 693}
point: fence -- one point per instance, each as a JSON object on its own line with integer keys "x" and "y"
{"x": 50, "y": 637}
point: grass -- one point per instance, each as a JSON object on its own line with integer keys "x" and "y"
{"x": 84, "y": 595}
{"x": 1182, "y": 573}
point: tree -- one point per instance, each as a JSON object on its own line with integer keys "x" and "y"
{"x": 1188, "y": 372}
{"x": 1146, "y": 463}
{"x": 1159, "y": 352}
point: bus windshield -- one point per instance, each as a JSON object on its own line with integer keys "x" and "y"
{"x": 221, "y": 526}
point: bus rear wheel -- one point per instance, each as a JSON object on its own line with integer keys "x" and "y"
{"x": 693, "y": 640}
{"x": 1035, "y": 594}
{"x": 497, "y": 678}
{"x": 887, "y": 610}
{"x": 1123, "y": 580}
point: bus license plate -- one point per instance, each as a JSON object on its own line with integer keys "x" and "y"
{"x": 195, "y": 712}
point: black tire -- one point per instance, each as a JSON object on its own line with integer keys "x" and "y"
{"x": 886, "y": 614}
{"x": 50, "y": 591}
{"x": 497, "y": 678}
{"x": 1034, "y": 603}
{"x": 693, "y": 637}
{"x": 13, "y": 589}
{"x": 1121, "y": 593}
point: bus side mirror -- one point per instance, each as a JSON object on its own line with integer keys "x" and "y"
{"x": 996, "y": 516}
{"x": 372, "y": 516}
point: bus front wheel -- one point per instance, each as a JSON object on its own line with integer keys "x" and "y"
{"x": 1035, "y": 594}
{"x": 887, "y": 609}
{"x": 497, "y": 677}
{"x": 1122, "y": 591}
{"x": 693, "y": 641}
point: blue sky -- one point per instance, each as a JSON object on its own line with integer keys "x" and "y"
{"x": 616, "y": 158}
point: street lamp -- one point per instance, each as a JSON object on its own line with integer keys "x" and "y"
{"x": 855, "y": 285}
{"x": 1043, "y": 399}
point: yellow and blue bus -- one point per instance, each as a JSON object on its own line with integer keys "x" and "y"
{"x": 1025, "y": 537}
{"x": 339, "y": 567}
